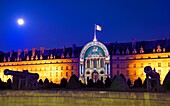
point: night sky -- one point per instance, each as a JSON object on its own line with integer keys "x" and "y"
{"x": 55, "y": 23}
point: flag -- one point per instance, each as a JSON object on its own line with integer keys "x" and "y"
{"x": 98, "y": 27}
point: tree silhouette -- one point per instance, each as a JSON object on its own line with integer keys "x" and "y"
{"x": 138, "y": 83}
{"x": 46, "y": 84}
{"x": 73, "y": 82}
{"x": 63, "y": 83}
{"x": 108, "y": 82}
{"x": 114, "y": 77}
{"x": 118, "y": 84}
{"x": 9, "y": 84}
{"x": 166, "y": 82}
{"x": 99, "y": 84}
{"x": 129, "y": 82}
{"x": 90, "y": 83}
{"x": 123, "y": 76}
{"x": 40, "y": 83}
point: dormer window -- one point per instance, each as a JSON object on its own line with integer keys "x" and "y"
{"x": 164, "y": 49}
{"x": 127, "y": 51}
{"x": 134, "y": 51}
{"x": 117, "y": 51}
{"x": 141, "y": 50}
{"x": 158, "y": 48}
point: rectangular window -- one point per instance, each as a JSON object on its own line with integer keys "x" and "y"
{"x": 66, "y": 74}
{"x": 117, "y": 72}
{"x": 159, "y": 64}
{"x": 117, "y": 66}
{"x": 72, "y": 73}
{"x": 50, "y": 74}
{"x": 127, "y": 66}
{"x": 72, "y": 68}
{"x": 61, "y": 74}
{"x": 61, "y": 67}
{"x": 168, "y": 64}
{"x": 134, "y": 65}
{"x": 127, "y": 72}
{"x": 141, "y": 64}
{"x": 159, "y": 71}
{"x": 117, "y": 58}
{"x": 134, "y": 72}
{"x": 66, "y": 67}
{"x": 56, "y": 74}
{"x": 56, "y": 68}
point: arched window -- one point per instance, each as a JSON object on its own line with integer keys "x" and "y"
{"x": 88, "y": 63}
{"x": 95, "y": 63}
{"x": 102, "y": 63}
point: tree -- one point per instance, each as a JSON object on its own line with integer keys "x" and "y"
{"x": 46, "y": 84}
{"x": 63, "y": 83}
{"x": 40, "y": 83}
{"x": 119, "y": 84}
{"x": 129, "y": 82}
{"x": 138, "y": 83}
{"x": 108, "y": 82}
{"x": 90, "y": 83}
{"x": 73, "y": 82}
{"x": 123, "y": 76}
{"x": 166, "y": 82}
{"x": 9, "y": 84}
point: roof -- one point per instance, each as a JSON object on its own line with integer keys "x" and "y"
{"x": 74, "y": 51}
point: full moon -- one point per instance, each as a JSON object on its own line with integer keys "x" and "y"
{"x": 20, "y": 21}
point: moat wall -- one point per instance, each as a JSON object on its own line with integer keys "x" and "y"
{"x": 82, "y": 98}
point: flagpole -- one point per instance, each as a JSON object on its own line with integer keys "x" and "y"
{"x": 94, "y": 39}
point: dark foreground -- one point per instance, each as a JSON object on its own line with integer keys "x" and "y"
{"x": 83, "y": 98}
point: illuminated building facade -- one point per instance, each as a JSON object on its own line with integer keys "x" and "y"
{"x": 93, "y": 61}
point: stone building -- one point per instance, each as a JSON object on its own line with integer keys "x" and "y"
{"x": 93, "y": 61}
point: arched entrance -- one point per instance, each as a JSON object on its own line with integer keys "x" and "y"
{"x": 94, "y": 62}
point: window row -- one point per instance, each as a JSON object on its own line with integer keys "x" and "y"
{"x": 43, "y": 68}
{"x": 149, "y": 57}
{"x": 141, "y": 65}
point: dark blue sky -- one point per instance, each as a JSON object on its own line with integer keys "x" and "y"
{"x": 55, "y": 23}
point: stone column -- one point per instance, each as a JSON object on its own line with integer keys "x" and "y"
{"x": 80, "y": 69}
{"x": 106, "y": 69}
{"x": 99, "y": 63}
{"x": 90, "y": 64}
{"x": 109, "y": 69}
{"x": 86, "y": 63}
